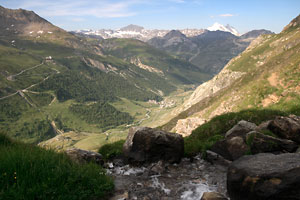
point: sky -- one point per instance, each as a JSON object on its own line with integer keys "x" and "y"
{"x": 244, "y": 15}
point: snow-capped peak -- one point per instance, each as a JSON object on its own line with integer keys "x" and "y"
{"x": 219, "y": 27}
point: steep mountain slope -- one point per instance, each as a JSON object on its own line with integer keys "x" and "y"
{"x": 141, "y": 54}
{"x": 264, "y": 76}
{"x": 53, "y": 81}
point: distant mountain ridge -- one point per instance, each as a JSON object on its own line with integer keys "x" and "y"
{"x": 210, "y": 51}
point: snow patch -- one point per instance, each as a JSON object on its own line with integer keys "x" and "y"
{"x": 40, "y": 32}
{"x": 219, "y": 27}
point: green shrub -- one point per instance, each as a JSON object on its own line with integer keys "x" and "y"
{"x": 29, "y": 172}
{"x": 109, "y": 151}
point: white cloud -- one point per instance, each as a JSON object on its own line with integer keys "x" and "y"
{"x": 178, "y": 1}
{"x": 100, "y": 8}
{"x": 226, "y": 15}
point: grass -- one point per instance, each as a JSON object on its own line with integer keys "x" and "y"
{"x": 29, "y": 172}
{"x": 109, "y": 151}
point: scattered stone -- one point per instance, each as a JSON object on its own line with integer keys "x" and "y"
{"x": 240, "y": 129}
{"x": 286, "y": 127}
{"x": 83, "y": 156}
{"x": 213, "y": 196}
{"x": 260, "y": 143}
{"x": 147, "y": 145}
{"x": 215, "y": 158}
{"x": 265, "y": 176}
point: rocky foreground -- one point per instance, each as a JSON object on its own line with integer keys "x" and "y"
{"x": 153, "y": 167}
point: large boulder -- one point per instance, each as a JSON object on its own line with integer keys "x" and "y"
{"x": 231, "y": 149}
{"x": 286, "y": 127}
{"x": 240, "y": 129}
{"x": 260, "y": 143}
{"x": 265, "y": 176}
{"x": 83, "y": 156}
{"x": 147, "y": 145}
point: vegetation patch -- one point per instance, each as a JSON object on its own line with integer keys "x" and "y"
{"x": 29, "y": 172}
{"x": 109, "y": 151}
{"x": 102, "y": 114}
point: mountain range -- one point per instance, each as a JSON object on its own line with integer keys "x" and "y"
{"x": 210, "y": 51}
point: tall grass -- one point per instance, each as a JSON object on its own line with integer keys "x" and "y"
{"x": 29, "y": 172}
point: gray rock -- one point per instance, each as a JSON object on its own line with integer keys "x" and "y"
{"x": 231, "y": 149}
{"x": 213, "y": 196}
{"x": 240, "y": 129}
{"x": 147, "y": 145}
{"x": 264, "y": 176}
{"x": 286, "y": 127}
{"x": 83, "y": 156}
{"x": 215, "y": 158}
{"x": 260, "y": 143}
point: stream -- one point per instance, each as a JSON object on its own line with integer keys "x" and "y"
{"x": 187, "y": 180}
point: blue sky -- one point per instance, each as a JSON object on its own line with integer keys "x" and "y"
{"x": 244, "y": 15}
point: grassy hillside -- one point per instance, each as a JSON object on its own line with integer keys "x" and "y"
{"x": 29, "y": 172}
{"x": 51, "y": 79}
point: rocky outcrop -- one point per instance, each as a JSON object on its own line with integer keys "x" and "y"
{"x": 260, "y": 143}
{"x": 83, "y": 156}
{"x": 146, "y": 145}
{"x": 185, "y": 126}
{"x": 213, "y": 196}
{"x": 286, "y": 127}
{"x": 225, "y": 78}
{"x": 264, "y": 176}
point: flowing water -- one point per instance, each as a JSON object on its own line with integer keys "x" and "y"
{"x": 187, "y": 180}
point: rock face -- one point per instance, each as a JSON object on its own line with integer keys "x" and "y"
{"x": 83, "y": 156}
{"x": 146, "y": 145}
{"x": 261, "y": 143}
{"x": 265, "y": 176}
{"x": 286, "y": 127}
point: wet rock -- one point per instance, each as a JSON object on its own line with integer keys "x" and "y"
{"x": 213, "y": 196}
{"x": 264, "y": 176}
{"x": 147, "y": 145}
{"x": 260, "y": 143}
{"x": 240, "y": 129}
{"x": 83, "y": 156}
{"x": 231, "y": 149}
{"x": 286, "y": 127}
{"x": 215, "y": 158}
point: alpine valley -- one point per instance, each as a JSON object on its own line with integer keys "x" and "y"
{"x": 223, "y": 106}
